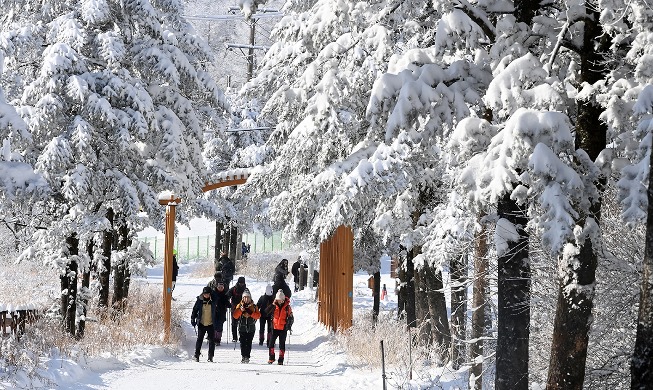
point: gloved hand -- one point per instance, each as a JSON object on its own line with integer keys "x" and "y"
{"x": 193, "y": 322}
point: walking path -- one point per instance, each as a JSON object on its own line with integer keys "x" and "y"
{"x": 312, "y": 362}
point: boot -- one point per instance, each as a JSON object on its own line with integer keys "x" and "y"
{"x": 271, "y": 357}
{"x": 281, "y": 353}
{"x": 197, "y": 358}
{"x": 218, "y": 338}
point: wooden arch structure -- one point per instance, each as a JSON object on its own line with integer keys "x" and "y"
{"x": 225, "y": 179}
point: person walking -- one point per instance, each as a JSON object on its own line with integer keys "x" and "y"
{"x": 204, "y": 316}
{"x": 295, "y": 272}
{"x": 235, "y": 295}
{"x": 247, "y": 314}
{"x": 282, "y": 321}
{"x": 282, "y": 268}
{"x": 226, "y": 266}
{"x": 279, "y": 283}
{"x": 265, "y": 322}
{"x": 175, "y": 272}
{"x": 221, "y": 306}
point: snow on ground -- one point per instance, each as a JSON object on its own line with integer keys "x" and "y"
{"x": 312, "y": 361}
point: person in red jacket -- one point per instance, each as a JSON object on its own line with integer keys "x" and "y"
{"x": 282, "y": 320}
{"x": 247, "y": 313}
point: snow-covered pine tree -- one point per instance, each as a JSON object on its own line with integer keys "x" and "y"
{"x": 116, "y": 111}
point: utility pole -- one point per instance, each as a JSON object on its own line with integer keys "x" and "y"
{"x": 256, "y": 14}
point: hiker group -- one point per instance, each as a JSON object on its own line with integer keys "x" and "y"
{"x": 272, "y": 311}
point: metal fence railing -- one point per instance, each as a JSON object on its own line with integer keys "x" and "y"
{"x": 202, "y": 247}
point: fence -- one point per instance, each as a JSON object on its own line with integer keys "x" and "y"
{"x": 202, "y": 247}
{"x": 16, "y": 318}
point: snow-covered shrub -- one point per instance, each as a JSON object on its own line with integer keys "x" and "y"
{"x": 406, "y": 363}
{"x": 22, "y": 359}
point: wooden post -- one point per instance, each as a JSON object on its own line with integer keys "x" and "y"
{"x": 335, "y": 294}
{"x": 171, "y": 205}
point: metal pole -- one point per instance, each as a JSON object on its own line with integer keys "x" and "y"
{"x": 410, "y": 354}
{"x": 250, "y": 54}
{"x": 383, "y": 365}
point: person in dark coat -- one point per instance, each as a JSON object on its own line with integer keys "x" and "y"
{"x": 282, "y": 321}
{"x": 175, "y": 272}
{"x": 226, "y": 266}
{"x": 295, "y": 272}
{"x": 282, "y": 268}
{"x": 265, "y": 322}
{"x": 279, "y": 283}
{"x": 247, "y": 314}
{"x": 222, "y": 304}
{"x": 235, "y": 295}
{"x": 204, "y": 315}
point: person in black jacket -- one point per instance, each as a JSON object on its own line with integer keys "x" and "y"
{"x": 222, "y": 304}
{"x": 282, "y": 268}
{"x": 225, "y": 266}
{"x": 279, "y": 283}
{"x": 235, "y": 295}
{"x": 204, "y": 315}
{"x": 295, "y": 272}
{"x": 265, "y": 322}
{"x": 175, "y": 272}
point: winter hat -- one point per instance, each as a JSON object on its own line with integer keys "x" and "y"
{"x": 241, "y": 279}
{"x": 268, "y": 290}
{"x": 280, "y": 296}
{"x": 218, "y": 275}
{"x": 206, "y": 290}
{"x": 246, "y": 293}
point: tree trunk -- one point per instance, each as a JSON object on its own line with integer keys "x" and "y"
{"x": 422, "y": 308}
{"x": 401, "y": 291}
{"x": 513, "y": 295}
{"x": 105, "y": 267}
{"x": 458, "y": 274}
{"x": 479, "y": 304}
{"x": 576, "y": 288}
{"x": 641, "y": 369}
{"x": 85, "y": 293}
{"x": 69, "y": 285}
{"x": 411, "y": 317}
{"x": 121, "y": 276}
{"x": 233, "y": 241}
{"x": 218, "y": 243}
{"x": 226, "y": 238}
{"x": 125, "y": 232}
{"x": 377, "y": 296}
{"x": 437, "y": 304}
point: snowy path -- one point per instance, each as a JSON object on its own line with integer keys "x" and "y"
{"x": 311, "y": 361}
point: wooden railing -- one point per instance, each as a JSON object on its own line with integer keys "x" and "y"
{"x": 14, "y": 319}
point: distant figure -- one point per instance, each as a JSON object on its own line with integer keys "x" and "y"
{"x": 282, "y": 268}
{"x": 226, "y": 266}
{"x": 245, "y": 250}
{"x": 265, "y": 322}
{"x": 235, "y": 295}
{"x": 384, "y": 293}
{"x": 279, "y": 283}
{"x": 204, "y": 316}
{"x": 247, "y": 314}
{"x": 295, "y": 272}
{"x": 175, "y": 271}
{"x": 282, "y": 321}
